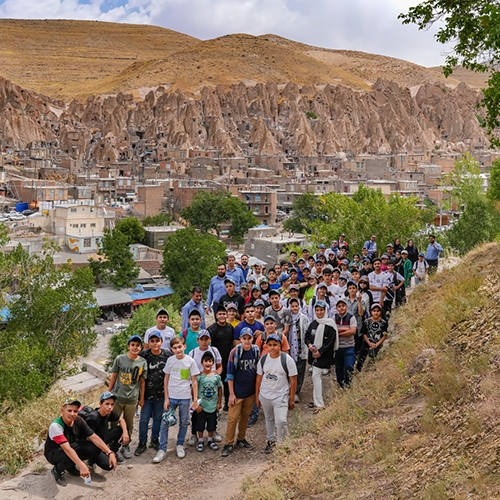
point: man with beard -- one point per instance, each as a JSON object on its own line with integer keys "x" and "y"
{"x": 217, "y": 288}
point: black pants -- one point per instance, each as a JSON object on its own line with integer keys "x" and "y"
{"x": 358, "y": 344}
{"x": 301, "y": 372}
{"x": 225, "y": 386}
{"x": 433, "y": 265}
{"x": 363, "y": 354}
{"x": 84, "y": 449}
{"x": 113, "y": 437}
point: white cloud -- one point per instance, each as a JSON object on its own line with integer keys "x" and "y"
{"x": 363, "y": 25}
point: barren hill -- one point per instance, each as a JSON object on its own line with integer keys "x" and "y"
{"x": 67, "y": 59}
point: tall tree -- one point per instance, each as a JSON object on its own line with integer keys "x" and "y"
{"x": 472, "y": 26}
{"x": 132, "y": 228}
{"x": 494, "y": 187}
{"x": 190, "y": 258}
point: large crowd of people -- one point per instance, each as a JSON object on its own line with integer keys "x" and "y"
{"x": 324, "y": 313}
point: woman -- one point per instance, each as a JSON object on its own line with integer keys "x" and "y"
{"x": 264, "y": 289}
{"x": 397, "y": 245}
{"x": 412, "y": 252}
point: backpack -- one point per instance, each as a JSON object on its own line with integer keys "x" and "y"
{"x": 283, "y": 363}
{"x": 264, "y": 337}
{"x": 184, "y": 334}
{"x": 239, "y": 352}
{"x": 85, "y": 411}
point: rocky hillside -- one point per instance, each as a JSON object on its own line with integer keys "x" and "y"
{"x": 260, "y": 119}
{"x": 423, "y": 420}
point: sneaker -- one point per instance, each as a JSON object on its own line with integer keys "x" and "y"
{"x": 227, "y": 450}
{"x": 141, "y": 448}
{"x": 252, "y": 420}
{"x": 181, "y": 452}
{"x": 119, "y": 458}
{"x": 59, "y": 477}
{"x": 325, "y": 371}
{"x": 73, "y": 471}
{"x": 126, "y": 451}
{"x": 296, "y": 399}
{"x": 243, "y": 443}
{"x": 270, "y": 447}
{"x": 155, "y": 443}
{"x": 217, "y": 437}
{"x": 192, "y": 440}
{"x": 225, "y": 407}
{"x": 159, "y": 456}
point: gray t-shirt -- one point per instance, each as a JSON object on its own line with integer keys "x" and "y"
{"x": 282, "y": 316}
{"x": 127, "y": 386}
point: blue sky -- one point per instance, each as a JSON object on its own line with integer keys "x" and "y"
{"x": 366, "y": 25}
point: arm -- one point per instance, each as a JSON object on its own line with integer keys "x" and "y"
{"x": 219, "y": 399}
{"x": 125, "y": 436}
{"x": 194, "y": 385}
{"x": 286, "y": 330}
{"x": 293, "y": 389}
{"x": 112, "y": 381}
{"x": 142, "y": 391}
{"x": 258, "y": 381}
{"x": 210, "y": 297}
{"x": 166, "y": 404}
{"x": 94, "y": 438}
{"x": 346, "y": 331}
{"x": 380, "y": 342}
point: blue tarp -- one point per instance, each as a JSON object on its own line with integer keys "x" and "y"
{"x": 151, "y": 294}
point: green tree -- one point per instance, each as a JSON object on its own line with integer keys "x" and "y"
{"x": 472, "y": 27}
{"x": 162, "y": 219}
{"x": 132, "y": 229}
{"x": 494, "y": 187}
{"x": 190, "y": 258}
{"x": 210, "y": 210}
{"x": 50, "y": 319}
{"x": 115, "y": 264}
{"x": 306, "y": 208}
{"x": 465, "y": 180}
{"x": 144, "y": 317}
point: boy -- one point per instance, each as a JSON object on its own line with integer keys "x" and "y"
{"x": 270, "y": 329}
{"x": 395, "y": 283}
{"x": 344, "y": 356}
{"x": 241, "y": 374}
{"x": 210, "y": 394}
{"x": 232, "y": 312}
{"x": 298, "y": 347}
{"x": 281, "y": 314}
{"x": 420, "y": 269}
{"x": 156, "y": 358}
{"x": 190, "y": 335}
{"x": 128, "y": 383}
{"x": 167, "y": 333}
{"x": 249, "y": 322}
{"x": 374, "y": 335}
{"x": 275, "y": 390}
{"x": 100, "y": 419}
{"x": 180, "y": 385}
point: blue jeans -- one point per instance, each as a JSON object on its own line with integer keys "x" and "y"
{"x": 183, "y": 405}
{"x": 344, "y": 365}
{"x": 151, "y": 409}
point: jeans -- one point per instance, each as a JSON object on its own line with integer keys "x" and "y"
{"x": 344, "y": 365}
{"x": 183, "y": 405}
{"x": 154, "y": 410}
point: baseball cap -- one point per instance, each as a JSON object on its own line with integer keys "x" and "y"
{"x": 404, "y": 251}
{"x": 322, "y": 246}
{"x": 107, "y": 395}
{"x": 345, "y": 261}
{"x": 284, "y": 277}
{"x": 162, "y": 312}
{"x": 269, "y": 317}
{"x": 203, "y": 333}
{"x": 259, "y": 302}
{"x": 156, "y": 333}
{"x": 385, "y": 256}
{"x": 273, "y": 337}
{"x": 246, "y": 331}
{"x": 274, "y": 292}
{"x": 390, "y": 245}
{"x": 228, "y": 279}
{"x": 71, "y": 401}
{"x": 320, "y": 303}
{"x": 134, "y": 337}
{"x": 322, "y": 285}
{"x": 351, "y": 283}
{"x": 255, "y": 287}
{"x": 293, "y": 287}
{"x": 342, "y": 234}
{"x": 231, "y": 305}
{"x": 340, "y": 299}
{"x": 244, "y": 285}
{"x": 421, "y": 254}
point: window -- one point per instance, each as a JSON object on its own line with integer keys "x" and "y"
{"x": 161, "y": 242}
{"x": 74, "y": 225}
{"x": 87, "y": 242}
{"x": 257, "y": 196}
{"x": 52, "y": 194}
{"x": 247, "y": 197}
{"x": 61, "y": 194}
{"x": 182, "y": 154}
{"x": 83, "y": 225}
{"x": 93, "y": 224}
{"x": 73, "y": 210}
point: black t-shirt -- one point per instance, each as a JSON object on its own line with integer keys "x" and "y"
{"x": 237, "y": 299}
{"x": 222, "y": 339}
{"x": 155, "y": 389}
{"x": 100, "y": 424}
{"x": 60, "y": 433}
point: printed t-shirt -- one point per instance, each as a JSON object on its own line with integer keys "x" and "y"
{"x": 127, "y": 386}
{"x": 167, "y": 334}
{"x": 197, "y": 354}
{"x": 180, "y": 372}
{"x": 60, "y": 433}
{"x": 154, "y": 382}
{"x": 283, "y": 317}
{"x": 208, "y": 391}
{"x": 244, "y": 376}
{"x": 274, "y": 379}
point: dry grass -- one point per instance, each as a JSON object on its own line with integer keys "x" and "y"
{"x": 396, "y": 436}
{"x": 23, "y": 430}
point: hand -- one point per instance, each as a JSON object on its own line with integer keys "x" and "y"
{"x": 219, "y": 370}
{"x": 311, "y": 348}
{"x": 316, "y": 354}
{"x": 195, "y": 406}
{"x": 232, "y": 400}
{"x": 219, "y": 406}
{"x": 257, "y": 403}
{"x": 166, "y": 404}
{"x": 125, "y": 439}
{"x": 112, "y": 461}
{"x": 291, "y": 404}
{"x": 141, "y": 403}
{"x": 84, "y": 470}
{"x": 199, "y": 409}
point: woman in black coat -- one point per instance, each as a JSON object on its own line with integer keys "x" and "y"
{"x": 412, "y": 252}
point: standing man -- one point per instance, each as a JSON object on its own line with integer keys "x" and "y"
{"x": 371, "y": 246}
{"x": 234, "y": 272}
{"x": 196, "y": 302}
{"x": 216, "y": 289}
{"x": 432, "y": 254}
{"x": 245, "y": 268}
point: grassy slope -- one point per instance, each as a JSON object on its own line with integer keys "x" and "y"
{"x": 433, "y": 435}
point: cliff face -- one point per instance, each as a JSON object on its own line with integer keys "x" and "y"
{"x": 260, "y": 119}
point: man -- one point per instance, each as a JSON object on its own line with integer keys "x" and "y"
{"x": 234, "y": 272}
{"x": 344, "y": 357}
{"x": 167, "y": 333}
{"x": 378, "y": 282}
{"x": 196, "y": 302}
{"x": 432, "y": 254}
{"x": 280, "y": 313}
{"x": 70, "y": 441}
{"x": 217, "y": 288}
{"x": 371, "y": 246}
{"x": 245, "y": 268}
{"x": 231, "y": 296}
{"x": 100, "y": 419}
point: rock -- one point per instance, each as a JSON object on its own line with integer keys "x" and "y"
{"x": 421, "y": 362}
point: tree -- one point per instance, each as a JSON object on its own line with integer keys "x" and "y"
{"x": 306, "y": 208}
{"x": 191, "y": 258}
{"x": 494, "y": 187}
{"x": 50, "y": 319}
{"x": 161, "y": 219}
{"x": 473, "y": 29}
{"x": 132, "y": 229}
{"x": 210, "y": 210}
{"x": 465, "y": 180}
{"x": 115, "y": 264}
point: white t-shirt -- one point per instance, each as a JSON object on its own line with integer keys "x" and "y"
{"x": 180, "y": 371}
{"x": 378, "y": 280}
{"x": 166, "y": 335}
{"x": 197, "y": 354}
{"x": 274, "y": 380}
{"x": 419, "y": 268}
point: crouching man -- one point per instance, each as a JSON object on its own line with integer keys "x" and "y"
{"x": 70, "y": 441}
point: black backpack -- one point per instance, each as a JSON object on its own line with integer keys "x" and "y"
{"x": 85, "y": 412}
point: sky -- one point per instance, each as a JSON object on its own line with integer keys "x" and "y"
{"x": 366, "y": 25}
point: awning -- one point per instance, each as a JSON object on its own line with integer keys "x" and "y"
{"x": 107, "y": 297}
{"x": 143, "y": 297}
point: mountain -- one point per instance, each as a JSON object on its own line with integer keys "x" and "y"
{"x": 76, "y": 59}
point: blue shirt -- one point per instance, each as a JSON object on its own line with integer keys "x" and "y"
{"x": 433, "y": 253}
{"x": 237, "y": 275}
{"x": 216, "y": 290}
{"x": 371, "y": 246}
{"x": 257, "y": 325}
{"x": 245, "y": 271}
{"x": 188, "y": 308}
{"x": 245, "y": 374}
